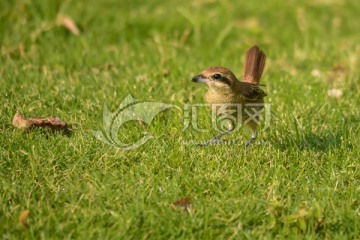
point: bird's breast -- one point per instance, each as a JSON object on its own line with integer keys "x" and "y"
{"x": 232, "y": 104}
{"x": 212, "y": 97}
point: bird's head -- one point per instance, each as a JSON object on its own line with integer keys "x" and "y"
{"x": 217, "y": 78}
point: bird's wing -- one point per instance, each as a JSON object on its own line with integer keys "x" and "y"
{"x": 250, "y": 91}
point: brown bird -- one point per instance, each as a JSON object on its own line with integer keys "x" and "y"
{"x": 236, "y": 102}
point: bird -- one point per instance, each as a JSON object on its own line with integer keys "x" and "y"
{"x": 236, "y": 102}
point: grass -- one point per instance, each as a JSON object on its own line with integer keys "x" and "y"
{"x": 300, "y": 180}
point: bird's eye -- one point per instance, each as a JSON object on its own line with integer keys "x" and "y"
{"x": 217, "y": 76}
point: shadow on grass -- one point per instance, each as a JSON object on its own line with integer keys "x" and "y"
{"x": 67, "y": 132}
{"x": 323, "y": 141}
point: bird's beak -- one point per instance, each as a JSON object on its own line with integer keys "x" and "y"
{"x": 200, "y": 79}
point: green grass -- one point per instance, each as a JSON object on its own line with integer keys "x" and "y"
{"x": 300, "y": 180}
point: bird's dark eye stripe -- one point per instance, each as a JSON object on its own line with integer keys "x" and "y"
{"x": 217, "y": 76}
{"x": 225, "y": 80}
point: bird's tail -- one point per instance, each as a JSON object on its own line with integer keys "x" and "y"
{"x": 254, "y": 65}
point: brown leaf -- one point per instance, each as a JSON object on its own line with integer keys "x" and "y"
{"x": 23, "y": 218}
{"x": 21, "y": 122}
{"x": 52, "y": 122}
{"x": 337, "y": 73}
{"x": 339, "y": 68}
{"x": 184, "y": 203}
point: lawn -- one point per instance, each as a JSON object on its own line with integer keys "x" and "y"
{"x": 300, "y": 179}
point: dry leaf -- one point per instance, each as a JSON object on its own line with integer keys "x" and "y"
{"x": 52, "y": 122}
{"x": 23, "y": 218}
{"x": 21, "y": 122}
{"x": 184, "y": 203}
{"x": 337, "y": 73}
{"x": 338, "y": 68}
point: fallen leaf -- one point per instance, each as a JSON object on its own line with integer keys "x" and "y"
{"x": 23, "y": 218}
{"x": 52, "y": 122}
{"x": 21, "y": 122}
{"x": 338, "y": 68}
{"x": 337, "y": 73}
{"x": 184, "y": 203}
